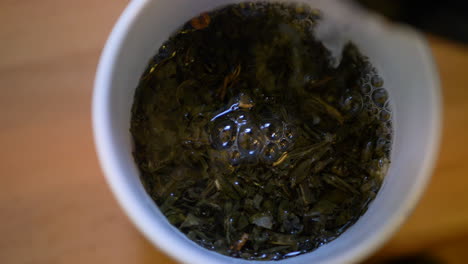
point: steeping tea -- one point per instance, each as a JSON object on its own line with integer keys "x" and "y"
{"x": 251, "y": 141}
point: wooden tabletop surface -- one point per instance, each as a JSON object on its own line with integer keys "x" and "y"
{"x": 55, "y": 206}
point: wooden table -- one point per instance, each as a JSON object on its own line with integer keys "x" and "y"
{"x": 54, "y": 204}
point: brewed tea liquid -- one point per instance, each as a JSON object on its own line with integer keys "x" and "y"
{"x": 248, "y": 138}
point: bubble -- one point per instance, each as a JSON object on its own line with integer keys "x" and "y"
{"x": 362, "y": 81}
{"x": 378, "y": 167}
{"x": 366, "y": 88}
{"x": 306, "y": 23}
{"x": 387, "y": 106}
{"x": 380, "y": 97}
{"x": 272, "y": 129}
{"x": 383, "y": 130}
{"x": 389, "y": 135}
{"x": 366, "y": 78}
{"x": 374, "y": 111}
{"x": 389, "y": 124}
{"x": 381, "y": 145}
{"x": 223, "y": 134}
{"x": 377, "y": 81}
{"x": 351, "y": 103}
{"x": 385, "y": 115}
{"x": 240, "y": 117}
{"x": 271, "y": 153}
{"x": 249, "y": 140}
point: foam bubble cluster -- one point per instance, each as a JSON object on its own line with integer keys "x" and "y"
{"x": 375, "y": 98}
{"x": 246, "y": 138}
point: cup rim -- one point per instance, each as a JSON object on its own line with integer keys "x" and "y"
{"x": 137, "y": 212}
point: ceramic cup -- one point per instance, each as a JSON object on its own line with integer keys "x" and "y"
{"x": 401, "y": 56}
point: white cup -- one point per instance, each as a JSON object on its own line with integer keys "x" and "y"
{"x": 401, "y": 56}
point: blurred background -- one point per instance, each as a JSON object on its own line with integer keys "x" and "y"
{"x": 55, "y": 206}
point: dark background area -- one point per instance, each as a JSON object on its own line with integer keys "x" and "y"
{"x": 447, "y": 18}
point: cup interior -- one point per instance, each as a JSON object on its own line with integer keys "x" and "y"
{"x": 401, "y": 57}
